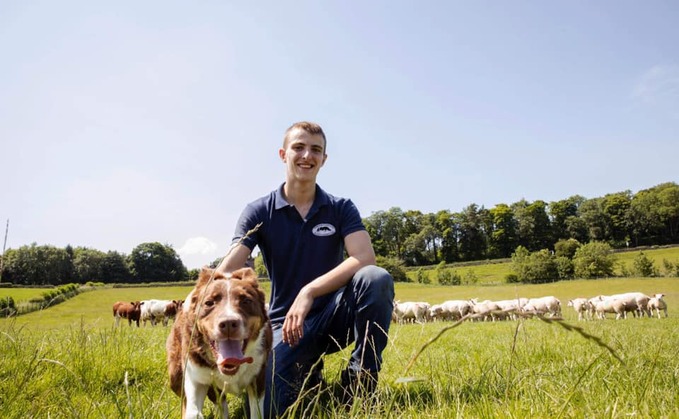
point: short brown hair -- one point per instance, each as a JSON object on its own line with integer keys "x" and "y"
{"x": 310, "y": 127}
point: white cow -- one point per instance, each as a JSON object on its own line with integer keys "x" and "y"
{"x": 154, "y": 311}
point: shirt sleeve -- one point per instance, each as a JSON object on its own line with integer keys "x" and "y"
{"x": 247, "y": 221}
{"x": 351, "y": 219}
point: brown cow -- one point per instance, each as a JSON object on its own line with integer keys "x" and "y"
{"x": 130, "y": 311}
{"x": 172, "y": 308}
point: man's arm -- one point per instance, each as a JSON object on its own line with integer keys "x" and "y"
{"x": 235, "y": 258}
{"x": 361, "y": 253}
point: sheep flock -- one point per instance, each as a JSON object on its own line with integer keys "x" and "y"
{"x": 618, "y": 306}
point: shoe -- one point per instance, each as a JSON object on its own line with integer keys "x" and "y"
{"x": 353, "y": 384}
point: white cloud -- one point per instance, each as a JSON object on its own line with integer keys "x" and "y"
{"x": 197, "y": 246}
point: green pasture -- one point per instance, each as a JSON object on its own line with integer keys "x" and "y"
{"x": 495, "y": 272}
{"x": 626, "y": 258}
{"x": 70, "y": 361}
{"x": 22, "y": 294}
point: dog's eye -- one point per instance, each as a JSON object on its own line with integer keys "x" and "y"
{"x": 246, "y": 301}
{"x": 209, "y": 303}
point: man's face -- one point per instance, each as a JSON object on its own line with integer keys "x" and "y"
{"x": 304, "y": 154}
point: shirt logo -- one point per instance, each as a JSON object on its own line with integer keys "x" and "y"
{"x": 322, "y": 230}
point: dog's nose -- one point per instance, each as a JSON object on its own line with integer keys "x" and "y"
{"x": 229, "y": 326}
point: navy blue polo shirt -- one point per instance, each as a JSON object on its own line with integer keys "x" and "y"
{"x": 295, "y": 250}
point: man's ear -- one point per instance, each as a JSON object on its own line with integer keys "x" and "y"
{"x": 281, "y": 154}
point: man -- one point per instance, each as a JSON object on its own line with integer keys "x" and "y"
{"x": 320, "y": 301}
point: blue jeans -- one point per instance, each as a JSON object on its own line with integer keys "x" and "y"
{"x": 360, "y": 312}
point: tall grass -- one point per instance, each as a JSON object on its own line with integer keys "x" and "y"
{"x": 81, "y": 366}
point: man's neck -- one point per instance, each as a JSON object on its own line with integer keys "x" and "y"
{"x": 299, "y": 194}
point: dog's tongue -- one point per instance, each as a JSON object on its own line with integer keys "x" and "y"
{"x": 229, "y": 353}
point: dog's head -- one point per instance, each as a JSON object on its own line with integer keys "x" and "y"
{"x": 229, "y": 313}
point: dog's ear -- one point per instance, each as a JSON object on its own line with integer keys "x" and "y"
{"x": 244, "y": 273}
{"x": 204, "y": 276}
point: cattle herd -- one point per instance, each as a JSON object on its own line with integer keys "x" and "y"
{"x": 636, "y": 303}
{"x": 154, "y": 311}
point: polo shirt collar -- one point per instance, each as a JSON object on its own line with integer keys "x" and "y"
{"x": 321, "y": 198}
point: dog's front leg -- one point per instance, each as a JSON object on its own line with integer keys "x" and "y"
{"x": 256, "y": 402}
{"x": 195, "y": 398}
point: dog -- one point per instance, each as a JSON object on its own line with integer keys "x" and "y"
{"x": 220, "y": 342}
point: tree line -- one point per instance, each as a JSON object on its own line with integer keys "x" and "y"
{"x": 412, "y": 238}
{"x": 623, "y": 219}
{"x": 50, "y": 265}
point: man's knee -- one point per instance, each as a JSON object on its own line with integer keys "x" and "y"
{"x": 375, "y": 279}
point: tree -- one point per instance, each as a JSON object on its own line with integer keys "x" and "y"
{"x": 503, "y": 237}
{"x": 533, "y": 223}
{"x": 592, "y": 213}
{"x": 472, "y": 240}
{"x": 616, "y": 208}
{"x": 655, "y": 215}
{"x": 560, "y": 212}
{"x": 448, "y": 233}
{"x": 386, "y": 229}
{"x": 88, "y": 265}
{"x": 594, "y": 260}
{"x": 115, "y": 268}
{"x": 155, "y": 262}
{"x": 37, "y": 265}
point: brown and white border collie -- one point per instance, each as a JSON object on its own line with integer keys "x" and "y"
{"x": 219, "y": 343}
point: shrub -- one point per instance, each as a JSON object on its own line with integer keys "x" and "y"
{"x": 594, "y": 260}
{"x": 566, "y": 248}
{"x": 422, "y": 277}
{"x": 534, "y": 267}
{"x": 395, "y": 266}
{"x": 446, "y": 276}
{"x": 644, "y": 266}
{"x": 470, "y": 277}
{"x": 512, "y": 279}
{"x": 564, "y": 267}
{"x": 670, "y": 269}
{"x": 7, "y": 307}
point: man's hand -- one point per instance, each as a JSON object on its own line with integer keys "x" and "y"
{"x": 293, "y": 325}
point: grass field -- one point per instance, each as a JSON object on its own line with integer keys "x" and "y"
{"x": 22, "y": 294}
{"x": 70, "y": 361}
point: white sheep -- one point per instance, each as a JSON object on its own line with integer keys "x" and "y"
{"x": 582, "y": 306}
{"x": 511, "y": 307}
{"x": 543, "y": 305}
{"x": 657, "y": 303}
{"x": 635, "y": 302}
{"x": 610, "y": 305}
{"x": 411, "y": 311}
{"x": 484, "y": 310}
{"x": 456, "y": 309}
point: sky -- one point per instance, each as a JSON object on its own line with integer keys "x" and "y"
{"x": 157, "y": 121}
